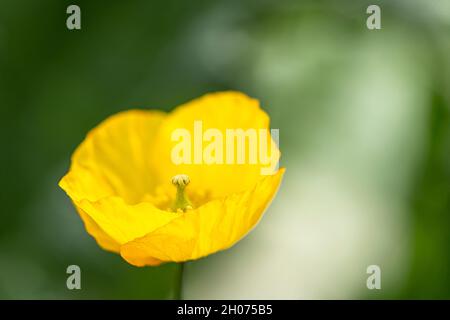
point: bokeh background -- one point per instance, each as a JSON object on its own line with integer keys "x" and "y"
{"x": 364, "y": 119}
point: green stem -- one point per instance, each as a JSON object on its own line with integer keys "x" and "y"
{"x": 179, "y": 281}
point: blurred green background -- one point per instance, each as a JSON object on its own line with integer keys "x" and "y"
{"x": 364, "y": 119}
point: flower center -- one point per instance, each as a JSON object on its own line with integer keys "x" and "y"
{"x": 182, "y": 202}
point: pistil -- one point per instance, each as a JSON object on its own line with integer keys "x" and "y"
{"x": 182, "y": 202}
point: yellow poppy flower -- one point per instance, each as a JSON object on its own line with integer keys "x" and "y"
{"x": 122, "y": 176}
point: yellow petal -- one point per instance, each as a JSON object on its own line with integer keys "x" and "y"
{"x": 111, "y": 170}
{"x": 103, "y": 240}
{"x": 222, "y": 111}
{"x": 124, "y": 222}
{"x": 117, "y": 158}
{"x": 215, "y": 226}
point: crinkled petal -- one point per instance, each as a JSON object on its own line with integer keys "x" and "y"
{"x": 223, "y": 111}
{"x": 215, "y": 226}
{"x": 103, "y": 240}
{"x": 110, "y": 171}
{"x": 123, "y": 222}
{"x": 117, "y": 158}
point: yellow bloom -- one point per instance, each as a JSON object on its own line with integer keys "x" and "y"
{"x": 120, "y": 182}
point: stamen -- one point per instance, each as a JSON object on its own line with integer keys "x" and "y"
{"x": 182, "y": 202}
